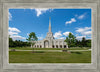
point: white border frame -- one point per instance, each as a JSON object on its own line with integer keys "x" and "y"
{"x": 6, "y": 64}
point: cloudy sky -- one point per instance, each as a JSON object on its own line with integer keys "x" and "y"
{"x": 63, "y": 21}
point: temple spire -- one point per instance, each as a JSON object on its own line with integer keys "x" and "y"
{"x": 49, "y": 24}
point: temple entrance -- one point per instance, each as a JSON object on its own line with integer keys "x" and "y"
{"x": 56, "y": 46}
{"x": 40, "y": 46}
{"x": 53, "y": 46}
{"x": 46, "y": 44}
{"x": 64, "y": 46}
{"x": 60, "y": 46}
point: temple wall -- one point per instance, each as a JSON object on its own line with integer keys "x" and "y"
{"x": 52, "y": 44}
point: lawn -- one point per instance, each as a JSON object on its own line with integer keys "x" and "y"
{"x": 49, "y": 57}
{"x": 72, "y": 48}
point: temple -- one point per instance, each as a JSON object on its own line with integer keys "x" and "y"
{"x": 49, "y": 41}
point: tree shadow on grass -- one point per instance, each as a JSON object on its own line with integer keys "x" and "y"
{"x": 77, "y": 52}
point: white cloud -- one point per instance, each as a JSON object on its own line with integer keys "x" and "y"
{"x": 84, "y": 31}
{"x": 27, "y": 34}
{"x": 80, "y": 37}
{"x": 13, "y": 29}
{"x": 10, "y": 16}
{"x": 40, "y": 38}
{"x": 40, "y": 11}
{"x": 17, "y": 37}
{"x": 13, "y": 32}
{"x": 62, "y": 37}
{"x": 58, "y": 34}
{"x": 87, "y": 33}
{"x": 71, "y": 21}
{"x": 66, "y": 33}
{"x": 81, "y": 16}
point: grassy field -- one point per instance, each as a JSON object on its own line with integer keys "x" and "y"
{"x": 28, "y": 48}
{"x": 49, "y": 57}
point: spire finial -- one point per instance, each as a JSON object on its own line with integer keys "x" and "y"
{"x": 49, "y": 24}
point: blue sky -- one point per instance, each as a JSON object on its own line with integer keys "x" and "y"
{"x": 63, "y": 21}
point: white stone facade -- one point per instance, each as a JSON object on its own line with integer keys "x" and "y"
{"x": 50, "y": 42}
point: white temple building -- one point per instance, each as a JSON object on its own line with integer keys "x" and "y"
{"x": 49, "y": 41}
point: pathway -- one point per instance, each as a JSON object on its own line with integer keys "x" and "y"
{"x": 51, "y": 50}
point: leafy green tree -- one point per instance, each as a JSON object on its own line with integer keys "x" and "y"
{"x": 83, "y": 42}
{"x": 71, "y": 39}
{"x": 32, "y": 37}
{"x": 88, "y": 43}
{"x": 11, "y": 43}
{"x": 77, "y": 43}
{"x": 80, "y": 43}
{"x": 18, "y": 43}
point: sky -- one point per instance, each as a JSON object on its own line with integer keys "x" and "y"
{"x": 24, "y": 21}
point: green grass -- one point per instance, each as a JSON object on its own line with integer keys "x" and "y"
{"x": 28, "y": 48}
{"x": 49, "y": 57}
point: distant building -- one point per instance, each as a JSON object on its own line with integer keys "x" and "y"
{"x": 50, "y": 42}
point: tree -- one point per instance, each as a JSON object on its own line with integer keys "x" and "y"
{"x": 17, "y": 43}
{"x": 71, "y": 39}
{"x": 83, "y": 42}
{"x": 77, "y": 43}
{"x": 88, "y": 43}
{"x": 11, "y": 43}
{"x": 32, "y": 37}
{"x": 80, "y": 43}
